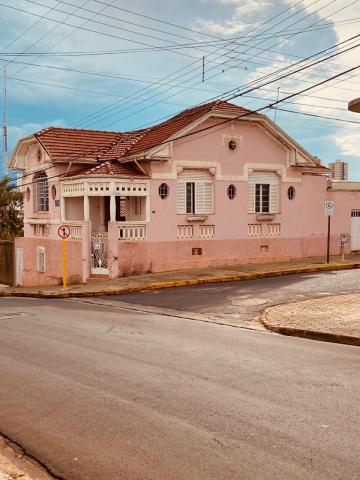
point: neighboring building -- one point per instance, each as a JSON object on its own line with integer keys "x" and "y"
{"x": 214, "y": 185}
{"x": 339, "y": 170}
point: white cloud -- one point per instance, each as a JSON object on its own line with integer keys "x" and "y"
{"x": 242, "y": 17}
{"x": 348, "y": 140}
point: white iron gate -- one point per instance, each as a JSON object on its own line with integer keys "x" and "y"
{"x": 19, "y": 266}
{"x": 355, "y": 230}
{"x": 99, "y": 260}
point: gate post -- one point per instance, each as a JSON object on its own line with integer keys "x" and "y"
{"x": 86, "y": 251}
{"x": 113, "y": 250}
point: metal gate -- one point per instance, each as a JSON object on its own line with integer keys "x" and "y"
{"x": 19, "y": 266}
{"x": 99, "y": 260}
{"x": 355, "y": 230}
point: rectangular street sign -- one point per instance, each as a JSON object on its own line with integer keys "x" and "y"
{"x": 329, "y": 208}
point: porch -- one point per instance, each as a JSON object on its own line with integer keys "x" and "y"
{"x": 100, "y": 212}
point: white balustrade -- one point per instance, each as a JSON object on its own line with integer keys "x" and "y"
{"x": 98, "y": 187}
{"x": 273, "y": 229}
{"x": 254, "y": 229}
{"x": 38, "y": 230}
{"x": 72, "y": 188}
{"x": 185, "y": 231}
{"x": 132, "y": 232}
{"x": 129, "y": 189}
{"x": 75, "y": 232}
{"x": 207, "y": 231}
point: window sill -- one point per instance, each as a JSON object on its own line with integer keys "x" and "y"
{"x": 265, "y": 217}
{"x": 197, "y": 218}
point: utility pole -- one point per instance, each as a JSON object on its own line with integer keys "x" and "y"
{"x": 5, "y": 137}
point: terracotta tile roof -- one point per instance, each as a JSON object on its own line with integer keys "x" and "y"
{"x": 72, "y": 144}
{"x": 111, "y": 168}
{"x": 159, "y": 133}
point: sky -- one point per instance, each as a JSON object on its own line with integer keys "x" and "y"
{"x": 120, "y": 65}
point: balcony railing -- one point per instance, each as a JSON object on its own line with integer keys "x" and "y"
{"x": 132, "y": 232}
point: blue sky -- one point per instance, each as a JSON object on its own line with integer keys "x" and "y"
{"x": 136, "y": 83}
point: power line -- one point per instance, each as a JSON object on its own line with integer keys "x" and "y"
{"x": 180, "y": 83}
{"x": 171, "y": 48}
{"x": 251, "y": 84}
{"x": 210, "y": 127}
{"x": 319, "y": 116}
{"x": 219, "y": 56}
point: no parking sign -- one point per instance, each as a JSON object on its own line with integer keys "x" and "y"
{"x": 329, "y": 208}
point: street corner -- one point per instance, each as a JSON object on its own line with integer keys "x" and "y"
{"x": 331, "y": 319}
{"x": 15, "y": 464}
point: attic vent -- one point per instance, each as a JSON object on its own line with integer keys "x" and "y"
{"x": 38, "y": 154}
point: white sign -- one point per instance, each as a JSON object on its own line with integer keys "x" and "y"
{"x": 329, "y": 208}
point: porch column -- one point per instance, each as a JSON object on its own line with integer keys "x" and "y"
{"x": 86, "y": 208}
{"x": 62, "y": 209}
{"x": 112, "y": 208}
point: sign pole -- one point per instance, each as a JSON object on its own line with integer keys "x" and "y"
{"x": 328, "y": 240}
{"x": 64, "y": 233}
{"x": 329, "y": 212}
{"x": 63, "y": 241}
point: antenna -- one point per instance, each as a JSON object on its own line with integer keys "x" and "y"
{"x": 5, "y": 137}
{"x": 277, "y": 99}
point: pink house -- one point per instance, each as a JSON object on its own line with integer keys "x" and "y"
{"x": 214, "y": 185}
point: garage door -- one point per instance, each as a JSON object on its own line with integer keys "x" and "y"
{"x": 355, "y": 230}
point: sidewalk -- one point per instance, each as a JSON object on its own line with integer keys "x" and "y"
{"x": 331, "y": 319}
{"x": 180, "y": 278}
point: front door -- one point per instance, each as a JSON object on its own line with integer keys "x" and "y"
{"x": 99, "y": 260}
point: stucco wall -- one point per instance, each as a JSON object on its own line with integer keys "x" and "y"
{"x": 144, "y": 257}
{"x": 53, "y": 272}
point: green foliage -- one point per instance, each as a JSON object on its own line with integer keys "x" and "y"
{"x": 11, "y": 210}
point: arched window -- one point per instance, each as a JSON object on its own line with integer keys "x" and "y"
{"x": 41, "y": 192}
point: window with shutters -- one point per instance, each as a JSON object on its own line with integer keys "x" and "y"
{"x": 41, "y": 192}
{"x": 264, "y": 192}
{"x": 190, "y": 197}
{"x": 262, "y": 198}
{"x": 195, "y": 193}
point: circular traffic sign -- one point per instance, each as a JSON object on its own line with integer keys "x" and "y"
{"x": 64, "y": 231}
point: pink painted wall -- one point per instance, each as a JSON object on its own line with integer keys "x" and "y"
{"x": 53, "y": 272}
{"x": 301, "y": 217}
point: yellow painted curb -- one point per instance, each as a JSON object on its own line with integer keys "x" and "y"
{"x": 243, "y": 276}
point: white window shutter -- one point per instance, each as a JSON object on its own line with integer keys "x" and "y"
{"x": 251, "y": 198}
{"x": 200, "y": 198}
{"x": 208, "y": 198}
{"x": 274, "y": 198}
{"x": 181, "y": 200}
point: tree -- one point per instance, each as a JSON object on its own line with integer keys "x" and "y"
{"x": 11, "y": 210}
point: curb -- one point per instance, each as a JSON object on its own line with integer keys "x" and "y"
{"x": 179, "y": 283}
{"x": 310, "y": 334}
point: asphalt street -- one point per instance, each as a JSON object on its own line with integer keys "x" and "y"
{"x": 243, "y": 301}
{"x": 98, "y": 392}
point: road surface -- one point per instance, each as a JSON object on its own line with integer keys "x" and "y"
{"x": 243, "y": 301}
{"x": 98, "y": 392}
